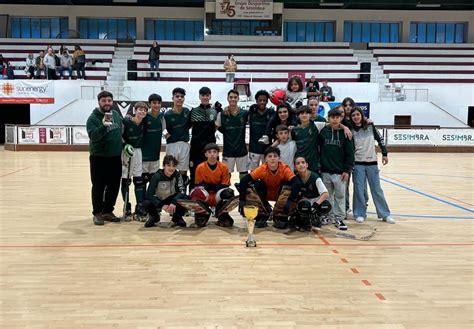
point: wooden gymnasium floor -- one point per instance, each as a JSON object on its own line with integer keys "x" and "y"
{"x": 57, "y": 270}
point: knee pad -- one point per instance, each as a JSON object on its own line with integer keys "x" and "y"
{"x": 324, "y": 208}
{"x": 304, "y": 207}
{"x": 199, "y": 193}
{"x": 224, "y": 194}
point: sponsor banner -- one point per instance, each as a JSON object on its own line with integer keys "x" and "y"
{"x": 28, "y": 135}
{"x": 56, "y": 135}
{"x": 440, "y": 137}
{"x": 365, "y": 107}
{"x": 244, "y": 9}
{"x": 79, "y": 135}
{"x": 26, "y": 92}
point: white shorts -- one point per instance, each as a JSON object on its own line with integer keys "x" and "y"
{"x": 151, "y": 167}
{"x": 180, "y": 150}
{"x": 135, "y": 164}
{"x": 255, "y": 160}
{"x": 241, "y": 163}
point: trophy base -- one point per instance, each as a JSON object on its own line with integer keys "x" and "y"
{"x": 250, "y": 244}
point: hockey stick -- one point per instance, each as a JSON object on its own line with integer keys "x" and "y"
{"x": 125, "y": 202}
{"x": 338, "y": 233}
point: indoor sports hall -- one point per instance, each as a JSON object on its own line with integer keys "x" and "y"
{"x": 408, "y": 66}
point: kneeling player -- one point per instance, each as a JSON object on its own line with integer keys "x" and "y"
{"x": 314, "y": 195}
{"x": 268, "y": 180}
{"x": 166, "y": 187}
{"x": 212, "y": 186}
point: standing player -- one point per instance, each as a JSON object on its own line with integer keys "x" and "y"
{"x": 314, "y": 196}
{"x": 268, "y": 179}
{"x": 305, "y": 134}
{"x": 212, "y": 179}
{"x": 286, "y": 146}
{"x": 177, "y": 136}
{"x": 104, "y": 127}
{"x": 337, "y": 161}
{"x": 233, "y": 128}
{"x": 202, "y": 120}
{"x": 133, "y": 136}
{"x": 259, "y": 116}
{"x": 154, "y": 124}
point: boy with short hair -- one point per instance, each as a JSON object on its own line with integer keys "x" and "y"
{"x": 154, "y": 124}
{"x": 233, "y": 128}
{"x": 202, "y": 121}
{"x": 177, "y": 135}
{"x": 133, "y": 136}
{"x": 286, "y": 145}
{"x": 337, "y": 161}
{"x": 212, "y": 178}
{"x": 165, "y": 189}
{"x": 259, "y": 116}
{"x": 305, "y": 135}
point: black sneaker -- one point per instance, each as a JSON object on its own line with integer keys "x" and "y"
{"x": 110, "y": 217}
{"x": 97, "y": 219}
{"x": 152, "y": 221}
{"x": 341, "y": 225}
{"x": 178, "y": 221}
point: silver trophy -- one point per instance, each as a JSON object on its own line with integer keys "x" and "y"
{"x": 250, "y": 213}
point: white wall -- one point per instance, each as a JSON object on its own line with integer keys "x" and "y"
{"x": 423, "y": 113}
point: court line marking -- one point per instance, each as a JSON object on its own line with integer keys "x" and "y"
{"x": 428, "y": 195}
{"x": 205, "y": 245}
{"x": 14, "y": 172}
{"x": 427, "y": 216}
{"x": 380, "y": 296}
{"x": 432, "y": 175}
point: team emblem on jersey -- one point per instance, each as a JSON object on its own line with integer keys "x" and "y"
{"x": 211, "y": 116}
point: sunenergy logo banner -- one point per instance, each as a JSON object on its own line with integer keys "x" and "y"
{"x": 26, "y": 92}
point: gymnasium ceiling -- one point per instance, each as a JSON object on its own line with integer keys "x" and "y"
{"x": 323, "y": 4}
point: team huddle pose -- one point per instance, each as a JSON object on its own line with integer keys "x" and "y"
{"x": 294, "y": 158}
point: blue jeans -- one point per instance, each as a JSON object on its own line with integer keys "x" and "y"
{"x": 360, "y": 176}
{"x": 154, "y": 66}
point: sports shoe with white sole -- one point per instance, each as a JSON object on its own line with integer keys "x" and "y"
{"x": 389, "y": 220}
{"x": 341, "y": 225}
{"x": 360, "y": 219}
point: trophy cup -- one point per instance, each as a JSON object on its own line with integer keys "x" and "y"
{"x": 250, "y": 213}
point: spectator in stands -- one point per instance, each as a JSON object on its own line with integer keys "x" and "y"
{"x": 39, "y": 63}
{"x": 3, "y": 64}
{"x": 63, "y": 49}
{"x": 230, "y": 67}
{"x": 5, "y": 69}
{"x": 326, "y": 92}
{"x": 50, "y": 64}
{"x": 79, "y": 58}
{"x": 312, "y": 86}
{"x": 66, "y": 64}
{"x": 30, "y": 66}
{"x": 154, "y": 59}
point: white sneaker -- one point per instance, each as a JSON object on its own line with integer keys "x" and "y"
{"x": 389, "y": 220}
{"x": 360, "y": 219}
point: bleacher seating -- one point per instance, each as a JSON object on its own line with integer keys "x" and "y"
{"x": 267, "y": 62}
{"x": 430, "y": 63}
{"x": 99, "y": 53}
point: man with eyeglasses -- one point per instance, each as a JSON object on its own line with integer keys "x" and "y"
{"x": 177, "y": 132}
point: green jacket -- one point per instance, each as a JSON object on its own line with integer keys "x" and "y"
{"x": 162, "y": 187}
{"x": 104, "y": 141}
{"x": 337, "y": 151}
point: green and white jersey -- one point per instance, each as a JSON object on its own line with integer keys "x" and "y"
{"x": 233, "y": 129}
{"x": 133, "y": 133}
{"x": 258, "y": 122}
{"x": 306, "y": 139}
{"x": 177, "y": 125}
{"x": 153, "y": 130}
